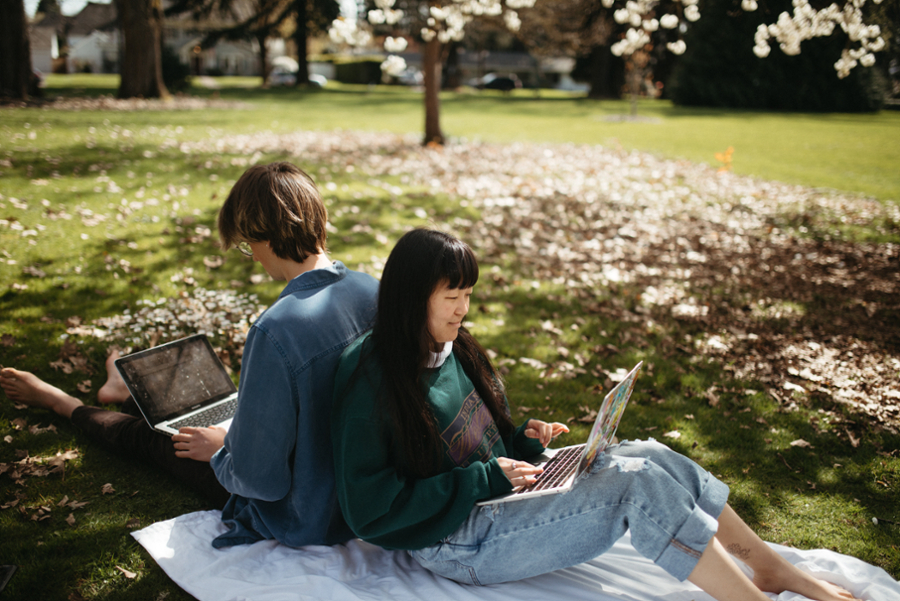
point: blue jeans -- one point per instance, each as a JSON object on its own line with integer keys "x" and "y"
{"x": 669, "y": 502}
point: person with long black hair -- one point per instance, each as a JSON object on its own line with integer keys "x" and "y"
{"x": 422, "y": 431}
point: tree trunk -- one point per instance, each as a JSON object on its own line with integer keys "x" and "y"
{"x": 263, "y": 57}
{"x": 600, "y": 75}
{"x": 15, "y": 52}
{"x": 141, "y": 67}
{"x": 300, "y": 35}
{"x": 431, "y": 63}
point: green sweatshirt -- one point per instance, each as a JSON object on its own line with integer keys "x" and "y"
{"x": 395, "y": 512}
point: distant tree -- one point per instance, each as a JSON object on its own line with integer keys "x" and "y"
{"x": 141, "y": 66}
{"x": 433, "y": 23}
{"x": 580, "y": 28}
{"x": 262, "y": 19}
{"x": 48, "y": 7}
{"x": 15, "y": 52}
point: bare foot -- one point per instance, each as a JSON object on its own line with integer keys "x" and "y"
{"x": 27, "y": 388}
{"x": 791, "y": 578}
{"x": 114, "y": 390}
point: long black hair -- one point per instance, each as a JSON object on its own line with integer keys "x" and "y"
{"x": 421, "y": 261}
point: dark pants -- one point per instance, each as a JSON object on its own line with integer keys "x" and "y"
{"x": 129, "y": 435}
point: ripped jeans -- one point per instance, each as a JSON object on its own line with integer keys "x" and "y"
{"x": 669, "y": 502}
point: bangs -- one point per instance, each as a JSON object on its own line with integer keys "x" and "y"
{"x": 459, "y": 267}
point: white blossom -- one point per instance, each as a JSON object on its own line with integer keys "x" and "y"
{"x": 692, "y": 13}
{"x": 393, "y": 65}
{"x": 805, "y": 23}
{"x": 677, "y": 47}
{"x": 393, "y": 16}
{"x": 395, "y": 44}
{"x": 669, "y": 21}
{"x": 512, "y": 21}
{"x": 519, "y": 4}
{"x": 762, "y": 50}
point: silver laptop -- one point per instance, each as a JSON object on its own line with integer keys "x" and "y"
{"x": 564, "y": 467}
{"x": 178, "y": 384}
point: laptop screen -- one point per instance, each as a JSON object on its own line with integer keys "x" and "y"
{"x": 175, "y": 377}
{"x": 608, "y": 419}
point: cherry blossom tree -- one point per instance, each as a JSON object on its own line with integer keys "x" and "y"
{"x": 807, "y": 23}
{"x": 439, "y": 22}
{"x": 435, "y": 23}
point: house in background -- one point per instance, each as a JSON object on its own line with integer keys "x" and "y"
{"x": 91, "y": 42}
{"x": 94, "y": 40}
{"x": 47, "y": 39}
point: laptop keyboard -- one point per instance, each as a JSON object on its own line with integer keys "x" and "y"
{"x": 556, "y": 470}
{"x": 210, "y": 417}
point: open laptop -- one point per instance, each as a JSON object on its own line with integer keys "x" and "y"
{"x": 566, "y": 466}
{"x": 178, "y": 384}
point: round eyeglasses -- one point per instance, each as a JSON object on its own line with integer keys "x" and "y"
{"x": 245, "y": 248}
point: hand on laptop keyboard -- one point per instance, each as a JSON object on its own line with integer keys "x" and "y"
{"x": 199, "y": 444}
{"x": 520, "y": 473}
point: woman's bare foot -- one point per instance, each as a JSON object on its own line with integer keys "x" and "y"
{"x": 114, "y": 390}
{"x": 27, "y": 388}
{"x": 791, "y": 578}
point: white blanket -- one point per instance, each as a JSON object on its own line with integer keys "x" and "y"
{"x": 360, "y": 571}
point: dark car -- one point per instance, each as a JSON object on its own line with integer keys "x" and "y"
{"x": 503, "y": 83}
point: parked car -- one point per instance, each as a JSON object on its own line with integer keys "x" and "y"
{"x": 411, "y": 77}
{"x": 280, "y": 76}
{"x": 493, "y": 81}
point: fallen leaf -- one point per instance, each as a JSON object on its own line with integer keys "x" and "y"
{"x": 107, "y": 489}
{"x": 126, "y": 573}
{"x": 133, "y": 523}
{"x": 7, "y": 438}
{"x": 34, "y": 271}
{"x": 71, "y": 519}
{"x": 800, "y": 443}
{"x": 84, "y": 386}
{"x": 674, "y": 434}
{"x": 65, "y": 366}
{"x": 63, "y": 501}
{"x": 7, "y": 340}
{"x": 214, "y": 261}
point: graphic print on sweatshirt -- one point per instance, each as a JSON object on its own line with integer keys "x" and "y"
{"x": 472, "y": 433}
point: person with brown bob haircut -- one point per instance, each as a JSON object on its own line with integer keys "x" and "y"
{"x": 273, "y": 469}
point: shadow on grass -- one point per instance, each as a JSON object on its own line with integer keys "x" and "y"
{"x": 746, "y": 438}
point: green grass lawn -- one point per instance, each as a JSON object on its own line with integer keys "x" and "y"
{"x": 851, "y": 152}
{"x": 101, "y": 211}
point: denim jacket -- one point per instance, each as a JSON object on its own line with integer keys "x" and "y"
{"x": 277, "y": 459}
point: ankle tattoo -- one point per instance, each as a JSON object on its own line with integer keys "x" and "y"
{"x": 738, "y": 551}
